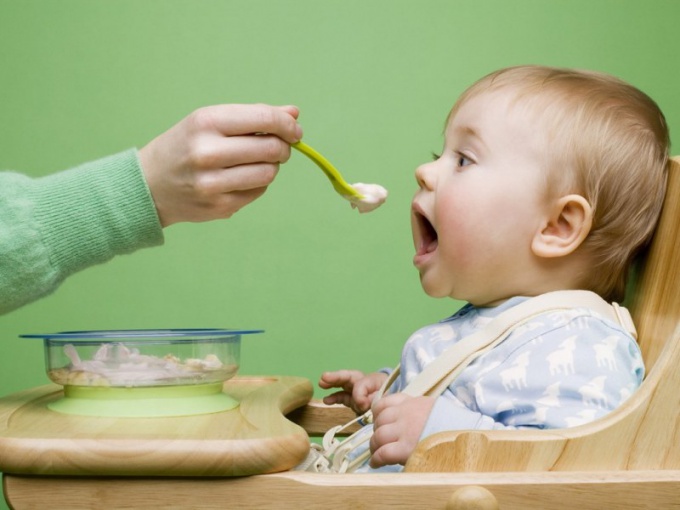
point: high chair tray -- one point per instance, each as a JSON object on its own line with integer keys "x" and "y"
{"x": 253, "y": 438}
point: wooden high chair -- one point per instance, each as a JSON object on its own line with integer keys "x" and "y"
{"x": 628, "y": 459}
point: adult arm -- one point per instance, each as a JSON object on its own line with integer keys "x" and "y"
{"x": 54, "y": 226}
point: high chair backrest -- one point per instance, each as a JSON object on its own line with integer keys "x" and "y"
{"x": 655, "y": 305}
{"x": 642, "y": 433}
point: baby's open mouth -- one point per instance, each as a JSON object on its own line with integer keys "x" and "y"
{"x": 426, "y": 236}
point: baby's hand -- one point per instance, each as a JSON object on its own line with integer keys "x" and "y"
{"x": 358, "y": 389}
{"x": 217, "y": 160}
{"x": 398, "y": 422}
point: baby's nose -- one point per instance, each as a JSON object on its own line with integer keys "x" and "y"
{"x": 425, "y": 176}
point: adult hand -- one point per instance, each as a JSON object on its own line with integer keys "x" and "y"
{"x": 217, "y": 160}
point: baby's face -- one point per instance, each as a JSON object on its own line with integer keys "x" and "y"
{"x": 480, "y": 203}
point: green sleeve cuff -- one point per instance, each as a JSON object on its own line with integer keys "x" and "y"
{"x": 91, "y": 213}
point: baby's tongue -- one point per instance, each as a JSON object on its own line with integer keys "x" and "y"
{"x": 432, "y": 246}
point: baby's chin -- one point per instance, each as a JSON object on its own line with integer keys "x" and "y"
{"x": 437, "y": 291}
{"x": 432, "y": 289}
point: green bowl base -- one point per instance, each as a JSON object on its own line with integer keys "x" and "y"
{"x": 143, "y": 402}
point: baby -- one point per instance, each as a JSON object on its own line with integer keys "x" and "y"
{"x": 550, "y": 179}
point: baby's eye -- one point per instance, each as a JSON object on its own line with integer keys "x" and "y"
{"x": 462, "y": 160}
{"x": 435, "y": 156}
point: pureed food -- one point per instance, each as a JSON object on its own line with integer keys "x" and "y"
{"x": 116, "y": 364}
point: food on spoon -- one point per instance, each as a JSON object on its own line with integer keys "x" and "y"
{"x": 372, "y": 197}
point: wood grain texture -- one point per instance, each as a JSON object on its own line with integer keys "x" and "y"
{"x": 253, "y": 438}
{"x": 316, "y": 417}
{"x": 624, "y": 490}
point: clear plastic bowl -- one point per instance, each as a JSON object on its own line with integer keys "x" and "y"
{"x": 142, "y": 358}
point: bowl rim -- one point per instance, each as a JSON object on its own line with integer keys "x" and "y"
{"x": 118, "y": 334}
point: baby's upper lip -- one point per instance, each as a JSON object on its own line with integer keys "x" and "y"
{"x": 416, "y": 208}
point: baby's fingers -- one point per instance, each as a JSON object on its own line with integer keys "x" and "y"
{"x": 340, "y": 397}
{"x": 389, "y": 454}
{"x": 388, "y": 402}
{"x": 340, "y": 379}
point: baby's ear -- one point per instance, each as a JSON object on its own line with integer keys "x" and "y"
{"x": 568, "y": 224}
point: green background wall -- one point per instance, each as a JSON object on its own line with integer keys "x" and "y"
{"x": 374, "y": 80}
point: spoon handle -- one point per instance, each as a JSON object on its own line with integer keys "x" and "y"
{"x": 331, "y": 172}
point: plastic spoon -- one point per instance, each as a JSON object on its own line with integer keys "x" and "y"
{"x": 339, "y": 184}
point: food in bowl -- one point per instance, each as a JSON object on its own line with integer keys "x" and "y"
{"x": 142, "y": 358}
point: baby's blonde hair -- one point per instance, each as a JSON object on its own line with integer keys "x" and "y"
{"x": 607, "y": 141}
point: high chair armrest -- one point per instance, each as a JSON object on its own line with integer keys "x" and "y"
{"x": 487, "y": 451}
{"x": 316, "y": 417}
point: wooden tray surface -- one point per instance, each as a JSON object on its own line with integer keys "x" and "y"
{"x": 253, "y": 438}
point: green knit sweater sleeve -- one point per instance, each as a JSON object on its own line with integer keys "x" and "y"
{"x": 53, "y": 226}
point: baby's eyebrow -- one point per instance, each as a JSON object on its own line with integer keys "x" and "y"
{"x": 469, "y": 131}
